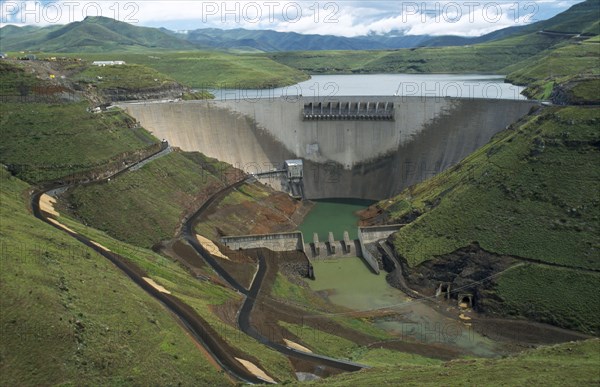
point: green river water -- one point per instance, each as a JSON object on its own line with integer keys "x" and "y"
{"x": 335, "y": 215}
{"x": 349, "y": 283}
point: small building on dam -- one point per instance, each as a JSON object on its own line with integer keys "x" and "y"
{"x": 360, "y": 147}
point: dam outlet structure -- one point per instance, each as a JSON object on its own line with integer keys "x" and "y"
{"x": 350, "y": 147}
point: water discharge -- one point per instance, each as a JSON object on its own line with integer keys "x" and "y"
{"x": 348, "y": 283}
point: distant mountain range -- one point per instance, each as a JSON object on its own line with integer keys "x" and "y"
{"x": 100, "y": 34}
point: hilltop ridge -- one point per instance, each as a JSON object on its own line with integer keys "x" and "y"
{"x": 102, "y": 34}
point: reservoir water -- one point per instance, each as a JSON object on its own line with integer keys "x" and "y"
{"x": 419, "y": 85}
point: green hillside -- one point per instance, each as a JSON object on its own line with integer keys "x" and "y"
{"x": 38, "y": 149}
{"x": 582, "y": 18}
{"x": 573, "y": 66}
{"x": 559, "y": 365}
{"x": 15, "y": 80}
{"x": 531, "y": 193}
{"x": 136, "y": 198}
{"x": 211, "y": 69}
{"x": 490, "y": 57}
{"x": 530, "y": 196}
{"x": 94, "y": 34}
{"x": 70, "y": 303}
{"x": 124, "y": 337}
{"x": 55, "y": 329}
{"x": 481, "y": 58}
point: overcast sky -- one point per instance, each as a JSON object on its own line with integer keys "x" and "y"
{"x": 344, "y": 18}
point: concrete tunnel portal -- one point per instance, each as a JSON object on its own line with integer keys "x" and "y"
{"x": 351, "y": 147}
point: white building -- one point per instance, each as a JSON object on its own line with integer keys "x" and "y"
{"x": 103, "y": 63}
{"x": 294, "y": 169}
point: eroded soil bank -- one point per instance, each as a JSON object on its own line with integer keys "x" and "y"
{"x": 254, "y": 208}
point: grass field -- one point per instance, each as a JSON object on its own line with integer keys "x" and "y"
{"x": 559, "y": 365}
{"x": 546, "y": 211}
{"x": 45, "y": 142}
{"x": 538, "y": 292}
{"x": 570, "y": 62}
{"x": 69, "y": 315}
{"x": 200, "y": 295}
{"x": 532, "y": 192}
{"x": 128, "y": 76}
{"x": 328, "y": 344}
{"x": 210, "y": 69}
{"x": 481, "y": 58}
{"x": 137, "y": 209}
{"x": 15, "y": 80}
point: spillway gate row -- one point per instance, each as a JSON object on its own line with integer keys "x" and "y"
{"x": 380, "y": 111}
{"x": 294, "y": 241}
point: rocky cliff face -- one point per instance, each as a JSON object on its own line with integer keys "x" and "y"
{"x": 173, "y": 91}
{"x": 577, "y": 92}
{"x": 469, "y": 270}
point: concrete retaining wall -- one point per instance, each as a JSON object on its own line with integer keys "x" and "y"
{"x": 290, "y": 241}
{"x": 366, "y": 255}
{"x": 374, "y": 233}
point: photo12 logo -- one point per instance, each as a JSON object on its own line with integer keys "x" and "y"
{"x": 253, "y": 12}
{"x": 63, "y": 12}
{"x": 451, "y": 12}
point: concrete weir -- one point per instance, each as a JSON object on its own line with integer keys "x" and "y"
{"x": 285, "y": 241}
{"x": 358, "y": 155}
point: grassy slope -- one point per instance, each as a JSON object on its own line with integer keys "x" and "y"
{"x": 210, "y": 69}
{"x": 532, "y": 193}
{"x": 539, "y": 293}
{"x": 47, "y": 149}
{"x": 80, "y": 145}
{"x": 546, "y": 211}
{"x": 559, "y": 365}
{"x": 200, "y": 295}
{"x": 328, "y": 344}
{"x": 129, "y": 76}
{"x": 56, "y": 330}
{"x": 570, "y": 62}
{"x": 482, "y": 58}
{"x": 137, "y": 209}
{"x": 49, "y": 141}
{"x": 15, "y": 80}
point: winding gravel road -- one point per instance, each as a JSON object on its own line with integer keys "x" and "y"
{"x": 200, "y": 330}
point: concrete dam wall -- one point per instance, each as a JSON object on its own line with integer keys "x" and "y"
{"x": 350, "y": 156}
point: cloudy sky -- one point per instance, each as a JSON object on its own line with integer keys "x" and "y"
{"x": 344, "y": 18}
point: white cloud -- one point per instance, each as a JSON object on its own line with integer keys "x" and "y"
{"x": 344, "y": 18}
